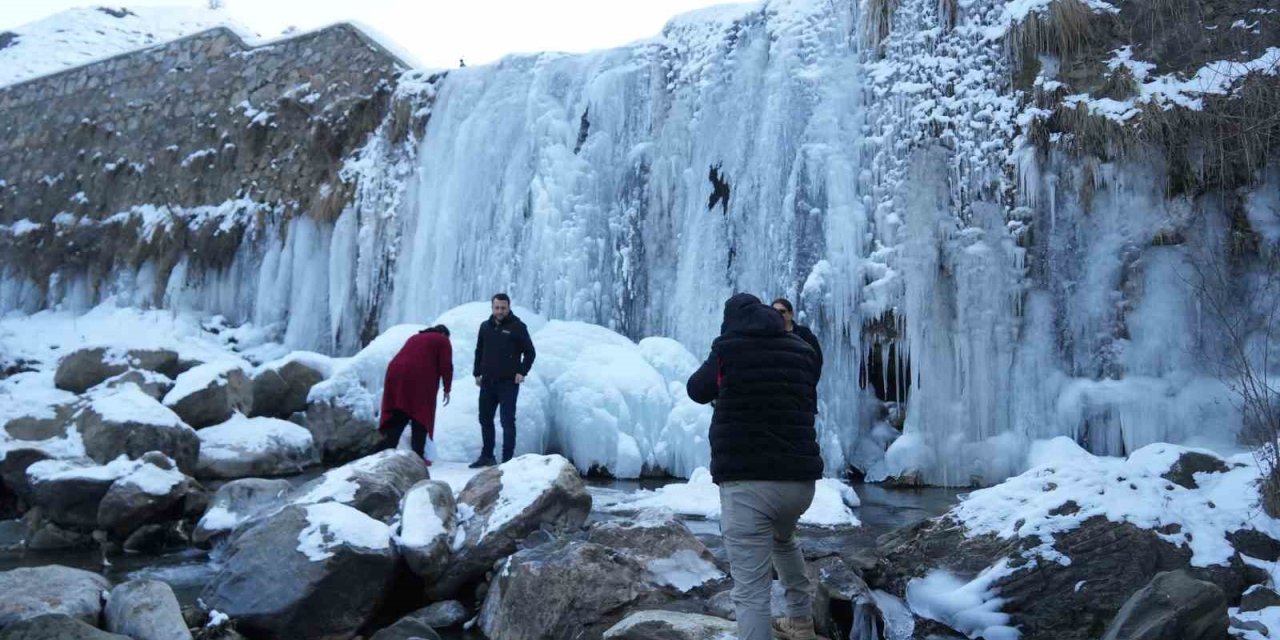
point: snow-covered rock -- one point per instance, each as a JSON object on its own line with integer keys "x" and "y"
{"x": 427, "y": 525}
{"x": 243, "y": 447}
{"x": 72, "y": 493}
{"x": 80, "y": 370}
{"x": 145, "y": 610}
{"x": 211, "y": 393}
{"x": 236, "y": 502}
{"x": 306, "y": 573}
{"x": 502, "y": 505}
{"x": 152, "y": 493}
{"x": 280, "y": 387}
{"x": 126, "y": 421}
{"x": 29, "y": 592}
{"x": 373, "y": 485}
{"x": 670, "y": 554}
{"x": 672, "y": 625}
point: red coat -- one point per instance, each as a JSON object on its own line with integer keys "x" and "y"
{"x": 413, "y": 379}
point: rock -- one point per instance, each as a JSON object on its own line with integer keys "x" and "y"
{"x": 151, "y": 383}
{"x": 839, "y": 588}
{"x": 373, "y": 485}
{"x": 254, "y": 447}
{"x": 427, "y": 527}
{"x": 1255, "y": 544}
{"x": 30, "y": 592}
{"x": 42, "y": 535}
{"x": 280, "y": 391}
{"x": 13, "y": 472}
{"x": 664, "y": 546}
{"x": 721, "y": 605}
{"x": 669, "y": 625}
{"x": 563, "y": 590}
{"x": 541, "y": 492}
{"x": 34, "y": 428}
{"x": 1258, "y": 598}
{"x": 210, "y": 394}
{"x": 125, "y": 421}
{"x": 68, "y": 492}
{"x": 234, "y": 503}
{"x": 83, "y": 369}
{"x": 149, "y": 495}
{"x": 55, "y": 627}
{"x": 407, "y": 628}
{"x": 1109, "y": 562}
{"x": 1183, "y": 471}
{"x": 340, "y": 433}
{"x": 145, "y": 610}
{"x": 152, "y": 539}
{"x": 1249, "y": 625}
{"x": 442, "y": 615}
{"x": 1173, "y": 605}
{"x": 317, "y": 571}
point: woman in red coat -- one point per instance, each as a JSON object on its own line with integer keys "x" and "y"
{"x": 409, "y": 391}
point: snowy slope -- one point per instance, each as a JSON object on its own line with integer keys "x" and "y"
{"x": 78, "y": 36}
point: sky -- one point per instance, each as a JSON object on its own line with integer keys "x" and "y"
{"x": 436, "y": 32}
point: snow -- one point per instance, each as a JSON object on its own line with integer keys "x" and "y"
{"x": 684, "y": 570}
{"x": 246, "y": 439}
{"x": 1268, "y": 616}
{"x": 419, "y": 524}
{"x": 205, "y": 376}
{"x": 79, "y": 36}
{"x": 145, "y": 476}
{"x": 331, "y": 526}
{"x": 1120, "y": 490}
{"x": 524, "y": 479}
{"x": 127, "y": 403}
{"x": 700, "y": 497}
{"x": 971, "y": 607}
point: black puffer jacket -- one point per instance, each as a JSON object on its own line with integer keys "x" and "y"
{"x": 763, "y": 381}
{"x": 503, "y": 349}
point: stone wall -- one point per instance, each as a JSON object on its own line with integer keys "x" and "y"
{"x": 197, "y": 121}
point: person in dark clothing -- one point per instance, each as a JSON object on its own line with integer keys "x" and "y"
{"x": 504, "y": 355}
{"x": 783, "y": 306}
{"x": 765, "y": 457}
{"x": 409, "y": 390}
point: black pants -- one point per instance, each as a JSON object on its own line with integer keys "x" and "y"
{"x": 395, "y": 428}
{"x": 495, "y": 394}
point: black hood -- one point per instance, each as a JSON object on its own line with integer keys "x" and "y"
{"x": 744, "y": 314}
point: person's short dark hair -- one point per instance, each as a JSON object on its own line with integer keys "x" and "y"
{"x": 501, "y": 296}
{"x": 437, "y": 329}
{"x": 786, "y": 304}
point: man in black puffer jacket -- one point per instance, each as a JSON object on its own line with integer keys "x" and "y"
{"x": 504, "y": 355}
{"x": 765, "y": 457}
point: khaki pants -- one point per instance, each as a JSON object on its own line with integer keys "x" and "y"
{"x": 758, "y": 522}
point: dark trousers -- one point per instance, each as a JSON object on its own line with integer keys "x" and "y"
{"x": 395, "y": 428}
{"x": 495, "y": 394}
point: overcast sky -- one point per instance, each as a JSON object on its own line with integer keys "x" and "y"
{"x": 436, "y": 32}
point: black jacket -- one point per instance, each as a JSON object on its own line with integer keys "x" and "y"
{"x": 503, "y": 349}
{"x": 764, "y": 384}
{"x": 808, "y": 337}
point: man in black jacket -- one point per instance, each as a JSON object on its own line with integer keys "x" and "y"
{"x": 765, "y": 457}
{"x": 783, "y": 306}
{"x": 504, "y": 355}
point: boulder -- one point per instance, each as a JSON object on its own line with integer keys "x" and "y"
{"x": 254, "y": 447}
{"x": 721, "y": 605}
{"x": 373, "y": 485}
{"x": 307, "y": 572}
{"x": 502, "y": 505}
{"x": 151, "y": 383}
{"x": 408, "y": 628}
{"x": 45, "y": 425}
{"x": 280, "y": 389}
{"x": 1190, "y": 463}
{"x": 670, "y": 625}
{"x": 13, "y": 472}
{"x": 427, "y": 527}
{"x": 126, "y": 421}
{"x": 442, "y": 615}
{"x": 340, "y": 432}
{"x": 42, "y": 535}
{"x": 562, "y": 590}
{"x": 145, "y": 610}
{"x": 1258, "y": 598}
{"x": 68, "y": 492}
{"x": 236, "y": 502}
{"x": 55, "y": 627}
{"x": 30, "y": 592}
{"x": 83, "y": 369}
{"x": 1173, "y": 605}
{"x": 671, "y": 555}
{"x": 210, "y": 394}
{"x": 151, "y": 494}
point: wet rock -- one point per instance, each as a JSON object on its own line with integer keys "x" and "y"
{"x": 669, "y": 625}
{"x": 29, "y": 592}
{"x": 305, "y": 573}
{"x": 56, "y": 627}
{"x": 145, "y": 610}
{"x": 234, "y": 503}
{"x": 280, "y": 391}
{"x": 83, "y": 369}
{"x": 546, "y": 493}
{"x": 427, "y": 528}
{"x": 152, "y": 539}
{"x": 1173, "y": 605}
{"x": 210, "y": 394}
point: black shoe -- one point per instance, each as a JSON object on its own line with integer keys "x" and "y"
{"x": 483, "y": 461}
